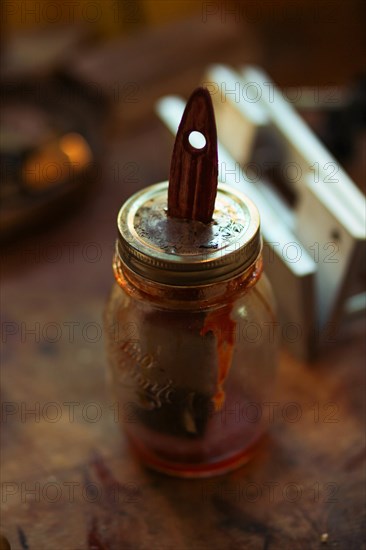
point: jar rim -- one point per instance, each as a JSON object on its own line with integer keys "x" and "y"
{"x": 185, "y": 252}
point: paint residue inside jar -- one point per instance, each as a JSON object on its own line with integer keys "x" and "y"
{"x": 219, "y": 322}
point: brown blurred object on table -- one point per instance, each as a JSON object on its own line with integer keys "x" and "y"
{"x": 50, "y": 142}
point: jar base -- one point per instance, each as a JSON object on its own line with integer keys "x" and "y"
{"x": 193, "y": 471}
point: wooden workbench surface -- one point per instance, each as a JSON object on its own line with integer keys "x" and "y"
{"x": 68, "y": 478}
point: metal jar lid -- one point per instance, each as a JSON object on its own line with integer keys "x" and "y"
{"x": 183, "y": 252}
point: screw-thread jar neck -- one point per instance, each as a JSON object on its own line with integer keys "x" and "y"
{"x": 188, "y": 253}
{"x": 169, "y": 295}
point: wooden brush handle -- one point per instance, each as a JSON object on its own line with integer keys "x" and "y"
{"x": 193, "y": 172}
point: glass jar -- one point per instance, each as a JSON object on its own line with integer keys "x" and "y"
{"x": 191, "y": 334}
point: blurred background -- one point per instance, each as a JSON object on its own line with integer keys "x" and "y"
{"x": 93, "y": 71}
{"x": 80, "y": 82}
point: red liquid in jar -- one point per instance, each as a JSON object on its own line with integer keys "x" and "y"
{"x": 228, "y": 441}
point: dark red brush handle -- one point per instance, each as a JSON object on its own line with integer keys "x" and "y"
{"x": 193, "y": 172}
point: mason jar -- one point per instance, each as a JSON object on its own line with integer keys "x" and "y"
{"x": 191, "y": 336}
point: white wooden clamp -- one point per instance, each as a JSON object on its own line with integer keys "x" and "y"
{"x": 312, "y": 250}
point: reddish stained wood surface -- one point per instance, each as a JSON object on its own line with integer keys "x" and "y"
{"x": 88, "y": 491}
{"x": 193, "y": 172}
